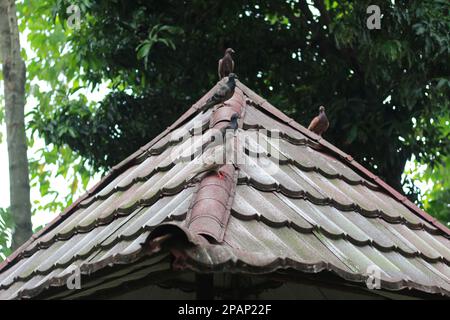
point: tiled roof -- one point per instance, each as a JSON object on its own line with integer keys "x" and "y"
{"x": 295, "y": 202}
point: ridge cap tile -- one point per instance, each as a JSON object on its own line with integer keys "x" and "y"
{"x": 205, "y": 217}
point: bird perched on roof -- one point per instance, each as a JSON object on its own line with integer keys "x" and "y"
{"x": 216, "y": 152}
{"x": 233, "y": 126}
{"x": 223, "y": 93}
{"x": 320, "y": 123}
{"x": 226, "y": 64}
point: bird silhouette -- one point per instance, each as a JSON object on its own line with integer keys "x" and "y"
{"x": 217, "y": 151}
{"x": 320, "y": 123}
{"x": 226, "y": 64}
{"x": 224, "y": 92}
{"x": 219, "y": 136}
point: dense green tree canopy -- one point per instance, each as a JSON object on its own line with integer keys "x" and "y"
{"x": 386, "y": 91}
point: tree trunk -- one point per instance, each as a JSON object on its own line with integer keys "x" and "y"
{"x": 14, "y": 89}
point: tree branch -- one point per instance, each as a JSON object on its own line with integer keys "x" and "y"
{"x": 14, "y": 89}
{"x": 305, "y": 9}
{"x": 324, "y": 16}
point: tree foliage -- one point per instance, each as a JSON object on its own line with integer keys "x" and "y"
{"x": 6, "y": 230}
{"x": 14, "y": 78}
{"x": 54, "y": 77}
{"x": 386, "y": 91}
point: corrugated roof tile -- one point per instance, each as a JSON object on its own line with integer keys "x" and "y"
{"x": 295, "y": 201}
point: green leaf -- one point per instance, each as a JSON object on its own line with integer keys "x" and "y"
{"x": 352, "y": 134}
{"x": 143, "y": 50}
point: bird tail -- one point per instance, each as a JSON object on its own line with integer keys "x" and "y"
{"x": 208, "y": 104}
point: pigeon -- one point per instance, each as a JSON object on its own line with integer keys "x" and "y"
{"x": 223, "y": 132}
{"x": 223, "y": 93}
{"x": 232, "y": 126}
{"x": 215, "y": 156}
{"x": 233, "y": 122}
{"x": 226, "y": 64}
{"x": 320, "y": 123}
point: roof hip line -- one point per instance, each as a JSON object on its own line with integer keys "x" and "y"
{"x": 210, "y": 208}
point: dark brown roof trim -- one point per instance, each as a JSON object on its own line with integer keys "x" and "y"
{"x": 85, "y": 270}
{"x": 90, "y": 266}
{"x": 184, "y": 260}
{"x": 118, "y": 279}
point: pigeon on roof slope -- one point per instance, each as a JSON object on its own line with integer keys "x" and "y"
{"x": 320, "y": 123}
{"x": 223, "y": 93}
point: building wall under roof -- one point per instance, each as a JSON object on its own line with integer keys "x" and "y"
{"x": 229, "y": 286}
{"x": 287, "y": 291}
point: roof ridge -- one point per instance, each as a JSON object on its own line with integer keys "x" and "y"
{"x": 115, "y": 170}
{"x": 263, "y": 103}
{"x": 211, "y": 204}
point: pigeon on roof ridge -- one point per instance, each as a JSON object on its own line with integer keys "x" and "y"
{"x": 208, "y": 152}
{"x": 226, "y": 64}
{"x": 224, "y": 92}
{"x": 223, "y": 131}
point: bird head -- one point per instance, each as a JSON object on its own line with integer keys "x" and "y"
{"x": 232, "y": 77}
{"x": 229, "y": 51}
{"x": 321, "y": 109}
{"x": 234, "y": 121}
{"x": 235, "y": 116}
